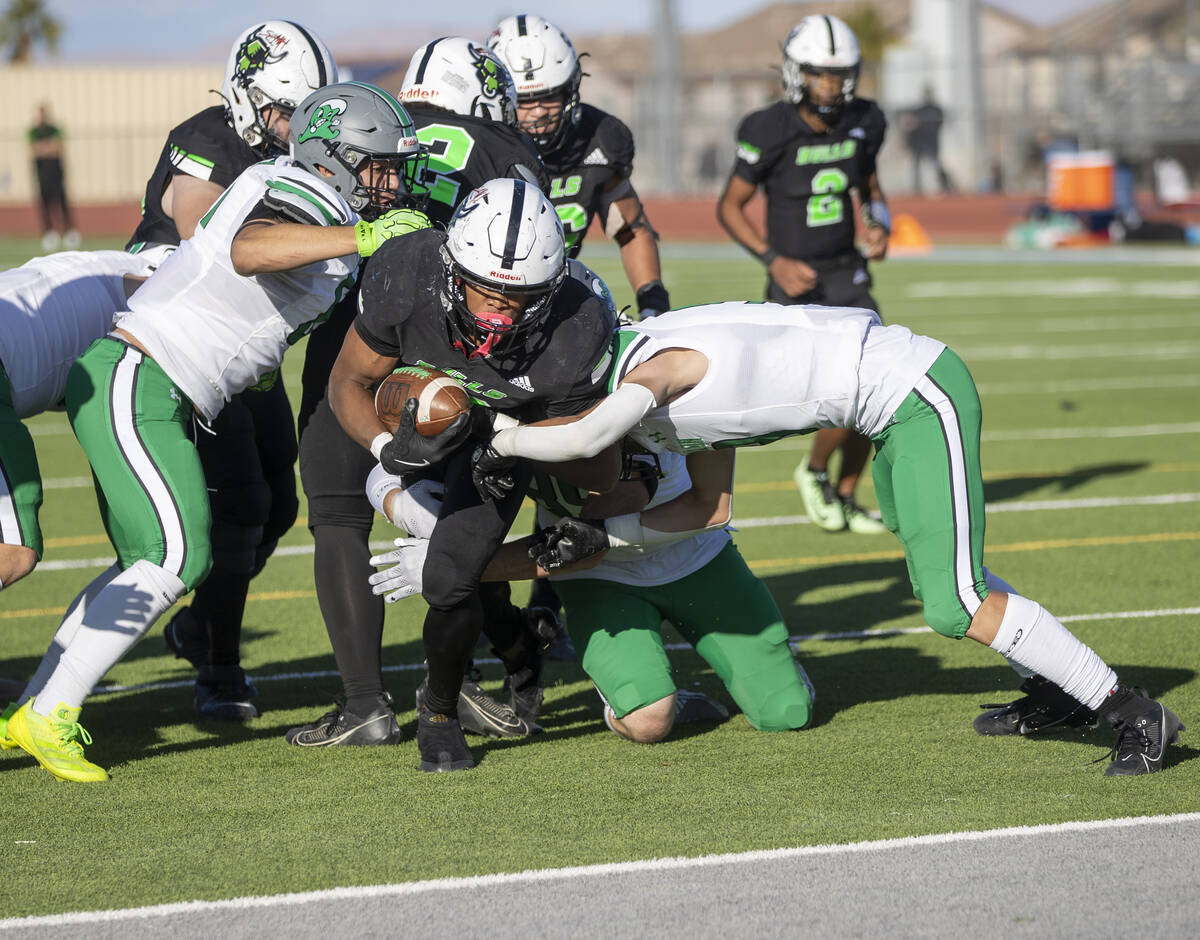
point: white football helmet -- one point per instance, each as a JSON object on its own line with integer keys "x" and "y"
{"x": 504, "y": 238}
{"x": 273, "y": 63}
{"x": 458, "y": 75}
{"x": 544, "y": 65}
{"x": 821, "y": 44}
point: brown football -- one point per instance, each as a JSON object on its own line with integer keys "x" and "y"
{"x": 440, "y": 399}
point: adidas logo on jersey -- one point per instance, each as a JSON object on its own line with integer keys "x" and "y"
{"x": 522, "y": 381}
{"x": 596, "y": 158}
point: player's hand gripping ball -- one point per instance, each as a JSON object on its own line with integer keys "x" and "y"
{"x": 440, "y": 399}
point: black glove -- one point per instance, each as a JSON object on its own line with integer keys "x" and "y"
{"x": 567, "y": 541}
{"x": 491, "y": 473}
{"x": 652, "y": 300}
{"x": 408, "y": 450}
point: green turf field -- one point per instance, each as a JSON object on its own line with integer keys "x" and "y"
{"x": 1089, "y": 376}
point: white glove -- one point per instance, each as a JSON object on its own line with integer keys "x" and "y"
{"x": 415, "y": 509}
{"x": 403, "y": 578}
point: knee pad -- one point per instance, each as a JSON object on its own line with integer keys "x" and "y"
{"x": 948, "y": 617}
{"x": 247, "y": 504}
{"x": 442, "y": 586}
{"x": 235, "y": 547}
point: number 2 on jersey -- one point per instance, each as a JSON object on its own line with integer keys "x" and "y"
{"x": 825, "y": 205}
{"x": 449, "y": 149}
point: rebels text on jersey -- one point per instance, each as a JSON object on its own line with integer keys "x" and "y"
{"x": 808, "y": 175}
{"x": 558, "y": 369}
{"x": 203, "y": 146}
{"x": 596, "y": 150}
{"x": 465, "y": 152}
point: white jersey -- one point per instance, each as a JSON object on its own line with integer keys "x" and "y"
{"x": 652, "y": 567}
{"x": 51, "y": 310}
{"x": 774, "y": 371}
{"x": 215, "y": 332}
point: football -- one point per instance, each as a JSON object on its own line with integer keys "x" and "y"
{"x": 440, "y": 399}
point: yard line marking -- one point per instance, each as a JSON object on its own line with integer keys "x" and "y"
{"x": 795, "y": 640}
{"x": 577, "y": 872}
{"x": 1040, "y": 505}
{"x": 1069, "y": 287}
{"x": 1086, "y": 385}
{"x": 1080, "y": 351}
{"x": 1100, "y": 502}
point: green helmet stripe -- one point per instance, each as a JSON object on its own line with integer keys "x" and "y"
{"x": 401, "y": 114}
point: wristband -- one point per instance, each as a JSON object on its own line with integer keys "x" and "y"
{"x": 877, "y": 213}
{"x": 377, "y": 444}
{"x": 768, "y": 256}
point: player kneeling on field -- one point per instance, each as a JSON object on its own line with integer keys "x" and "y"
{"x": 709, "y": 378}
{"x": 615, "y": 608}
{"x": 267, "y": 262}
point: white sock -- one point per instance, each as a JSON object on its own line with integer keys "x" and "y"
{"x": 996, "y": 583}
{"x": 114, "y": 619}
{"x": 1032, "y": 637}
{"x": 66, "y": 632}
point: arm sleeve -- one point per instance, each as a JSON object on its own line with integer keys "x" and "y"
{"x": 604, "y": 426}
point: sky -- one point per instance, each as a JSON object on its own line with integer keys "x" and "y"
{"x": 157, "y": 31}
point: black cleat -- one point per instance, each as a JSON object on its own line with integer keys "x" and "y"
{"x": 339, "y": 726}
{"x": 696, "y": 706}
{"x": 187, "y": 637}
{"x": 1141, "y": 744}
{"x": 479, "y": 713}
{"x": 525, "y": 696}
{"x": 226, "y": 698}
{"x": 441, "y": 743}
{"x": 1044, "y": 707}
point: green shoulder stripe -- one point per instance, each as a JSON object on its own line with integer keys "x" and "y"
{"x": 623, "y": 339}
{"x": 286, "y": 187}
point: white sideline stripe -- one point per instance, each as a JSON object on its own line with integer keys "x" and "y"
{"x": 1096, "y": 502}
{"x": 794, "y": 640}
{"x": 1081, "y": 351}
{"x": 414, "y": 888}
{"x": 1099, "y": 502}
{"x": 1047, "y": 287}
{"x": 1086, "y": 385}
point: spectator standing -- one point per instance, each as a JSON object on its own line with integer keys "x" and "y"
{"x": 45, "y": 146}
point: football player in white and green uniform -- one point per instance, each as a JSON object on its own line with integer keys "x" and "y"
{"x": 51, "y": 309}
{"x": 269, "y": 259}
{"x": 704, "y": 379}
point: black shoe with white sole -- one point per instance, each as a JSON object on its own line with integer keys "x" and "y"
{"x": 1044, "y": 707}
{"x": 1141, "y": 744}
{"x": 342, "y": 727}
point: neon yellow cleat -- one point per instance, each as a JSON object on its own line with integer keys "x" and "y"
{"x": 7, "y": 743}
{"x": 54, "y": 742}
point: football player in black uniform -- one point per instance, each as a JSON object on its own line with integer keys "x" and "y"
{"x": 808, "y": 153}
{"x": 488, "y": 302}
{"x": 250, "y": 449}
{"x": 462, "y": 102}
{"x": 588, "y": 153}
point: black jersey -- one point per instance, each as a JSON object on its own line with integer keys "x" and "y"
{"x": 465, "y": 152}
{"x": 808, "y": 175}
{"x": 560, "y": 368}
{"x": 203, "y": 146}
{"x": 595, "y": 151}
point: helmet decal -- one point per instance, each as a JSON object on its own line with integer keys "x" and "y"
{"x": 255, "y": 53}
{"x": 324, "y": 121}
{"x": 492, "y": 81}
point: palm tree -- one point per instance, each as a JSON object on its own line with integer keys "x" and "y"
{"x": 24, "y": 25}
